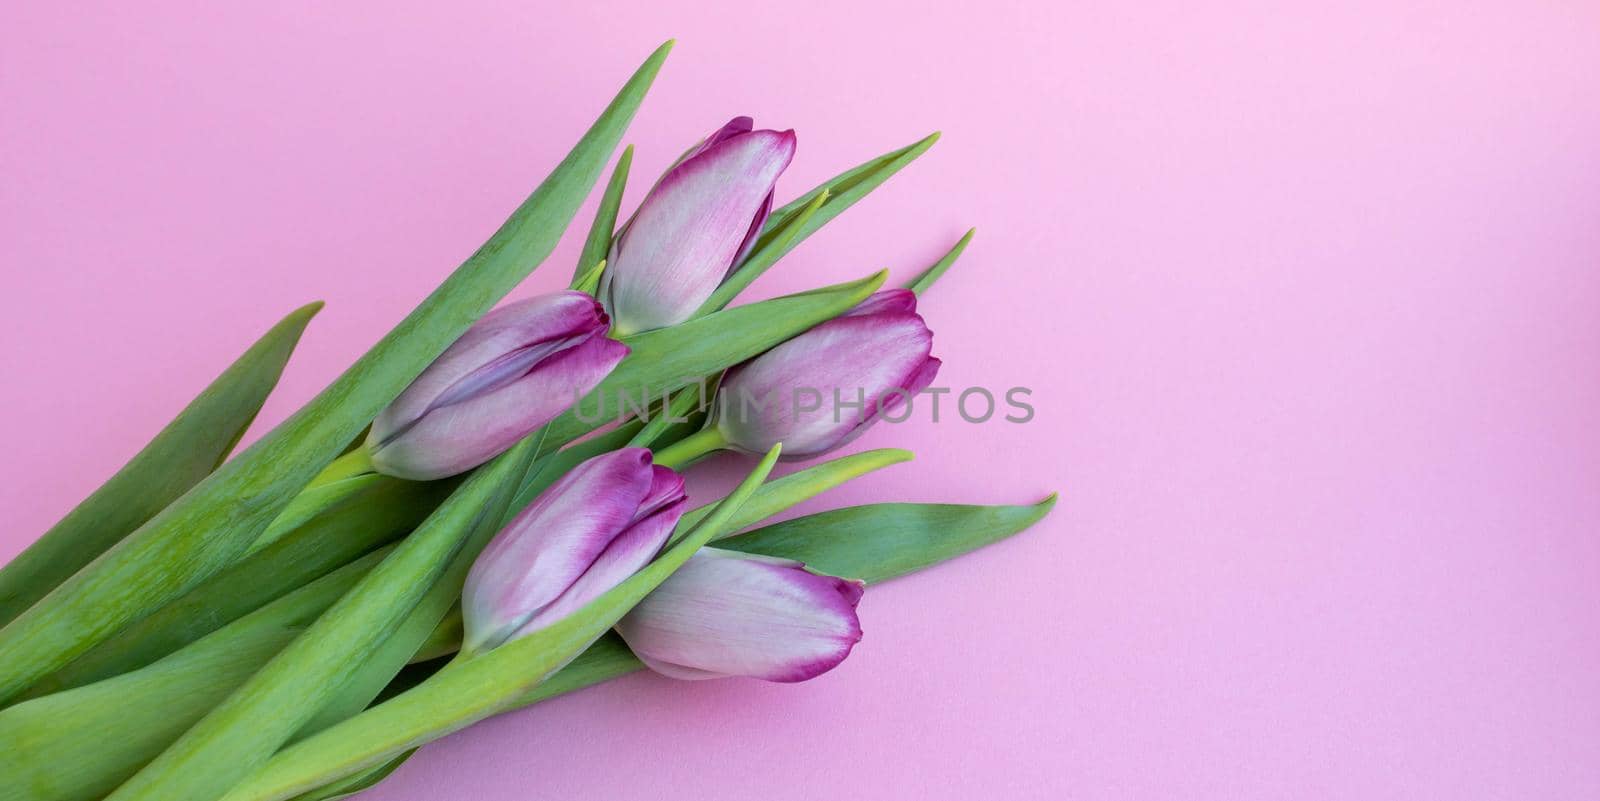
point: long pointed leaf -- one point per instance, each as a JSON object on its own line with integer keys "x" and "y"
{"x": 927, "y": 277}
{"x": 186, "y": 451}
{"x": 210, "y": 526}
{"x": 80, "y": 744}
{"x": 381, "y": 510}
{"x": 598, "y": 242}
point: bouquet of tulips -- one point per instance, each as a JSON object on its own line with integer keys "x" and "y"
{"x": 487, "y": 509}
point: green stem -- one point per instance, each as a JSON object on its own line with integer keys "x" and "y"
{"x": 679, "y": 454}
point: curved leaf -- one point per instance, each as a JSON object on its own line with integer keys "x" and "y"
{"x": 186, "y": 451}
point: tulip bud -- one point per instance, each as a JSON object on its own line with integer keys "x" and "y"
{"x": 823, "y": 388}
{"x": 696, "y": 223}
{"x": 732, "y": 614}
{"x": 598, "y": 525}
{"x": 511, "y": 372}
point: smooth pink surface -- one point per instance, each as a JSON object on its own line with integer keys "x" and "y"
{"x": 1310, "y": 302}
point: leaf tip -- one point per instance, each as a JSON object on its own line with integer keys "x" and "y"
{"x": 295, "y": 322}
{"x": 897, "y": 455}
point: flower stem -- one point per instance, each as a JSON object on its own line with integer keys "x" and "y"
{"x": 679, "y": 454}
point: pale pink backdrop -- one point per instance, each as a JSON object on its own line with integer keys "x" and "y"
{"x": 1309, "y": 300}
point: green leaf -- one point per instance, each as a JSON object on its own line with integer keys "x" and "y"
{"x": 870, "y": 171}
{"x": 186, "y": 451}
{"x": 381, "y": 510}
{"x": 345, "y": 788}
{"x": 927, "y": 278}
{"x": 881, "y": 541}
{"x": 269, "y": 708}
{"x": 666, "y": 359}
{"x": 598, "y": 243}
{"x": 784, "y": 231}
{"x": 210, "y": 526}
{"x": 78, "y": 745}
{"x": 475, "y": 686}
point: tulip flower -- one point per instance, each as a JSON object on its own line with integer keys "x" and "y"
{"x": 732, "y": 614}
{"x": 823, "y": 388}
{"x": 585, "y": 534}
{"x": 511, "y": 372}
{"x": 696, "y": 224}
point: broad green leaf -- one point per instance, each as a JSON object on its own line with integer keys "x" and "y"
{"x": 78, "y": 745}
{"x": 782, "y": 233}
{"x": 881, "y": 541}
{"x": 210, "y": 526}
{"x": 598, "y": 243}
{"x": 380, "y": 510}
{"x": 927, "y": 277}
{"x": 275, "y": 702}
{"x": 186, "y": 451}
{"x": 474, "y": 686}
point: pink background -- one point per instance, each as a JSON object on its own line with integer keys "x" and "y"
{"x": 1309, "y": 300}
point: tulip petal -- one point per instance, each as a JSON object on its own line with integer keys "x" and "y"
{"x": 453, "y": 439}
{"x": 842, "y": 367}
{"x": 510, "y": 328}
{"x": 754, "y": 233}
{"x": 725, "y": 615}
{"x": 887, "y": 404}
{"x": 682, "y": 241}
{"x": 631, "y": 550}
{"x": 549, "y": 545}
{"x": 734, "y": 127}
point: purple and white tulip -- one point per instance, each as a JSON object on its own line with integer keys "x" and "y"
{"x": 823, "y": 388}
{"x": 698, "y": 222}
{"x": 596, "y": 526}
{"x": 511, "y": 372}
{"x": 732, "y": 614}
